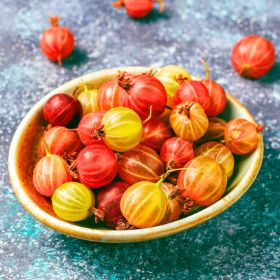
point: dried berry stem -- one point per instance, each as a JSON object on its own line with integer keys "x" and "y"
{"x": 246, "y": 69}
{"x": 54, "y": 20}
{"x": 161, "y": 6}
{"x": 206, "y": 67}
{"x": 99, "y": 214}
{"x": 187, "y": 206}
{"x": 123, "y": 225}
{"x": 123, "y": 81}
{"x": 118, "y": 4}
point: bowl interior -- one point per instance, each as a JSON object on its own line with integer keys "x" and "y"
{"x": 24, "y": 155}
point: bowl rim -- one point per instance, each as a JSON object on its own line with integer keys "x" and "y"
{"x": 113, "y": 236}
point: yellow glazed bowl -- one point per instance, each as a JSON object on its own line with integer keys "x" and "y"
{"x": 22, "y": 157}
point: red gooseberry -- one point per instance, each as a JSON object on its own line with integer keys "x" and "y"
{"x": 144, "y": 204}
{"x": 192, "y": 91}
{"x": 216, "y": 93}
{"x": 49, "y": 173}
{"x": 88, "y": 127}
{"x": 215, "y": 131}
{"x": 109, "y": 96}
{"x": 188, "y": 121}
{"x": 62, "y": 110}
{"x": 60, "y": 141}
{"x": 218, "y": 152}
{"x": 174, "y": 203}
{"x": 253, "y": 56}
{"x": 155, "y": 132}
{"x": 96, "y": 165}
{"x": 57, "y": 42}
{"x": 140, "y": 164}
{"x": 204, "y": 181}
{"x": 176, "y": 152}
{"x": 108, "y": 202}
{"x": 138, "y": 8}
{"x": 241, "y": 136}
{"x": 145, "y": 94}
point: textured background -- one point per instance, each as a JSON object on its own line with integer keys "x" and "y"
{"x": 241, "y": 243}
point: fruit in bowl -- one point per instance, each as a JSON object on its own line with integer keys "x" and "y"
{"x": 145, "y": 207}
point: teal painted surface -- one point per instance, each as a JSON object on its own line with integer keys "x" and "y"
{"x": 243, "y": 242}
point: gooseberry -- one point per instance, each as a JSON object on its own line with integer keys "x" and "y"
{"x": 170, "y": 76}
{"x": 192, "y": 91}
{"x": 155, "y": 132}
{"x": 96, "y": 165}
{"x": 121, "y": 129}
{"x": 87, "y": 95}
{"x": 88, "y": 127}
{"x": 140, "y": 164}
{"x": 49, "y": 173}
{"x": 138, "y": 8}
{"x": 109, "y": 96}
{"x": 241, "y": 136}
{"x": 60, "y": 141}
{"x": 144, "y": 204}
{"x": 145, "y": 94}
{"x": 215, "y": 131}
{"x": 62, "y": 110}
{"x": 176, "y": 152}
{"x": 216, "y": 93}
{"x": 57, "y": 42}
{"x": 204, "y": 181}
{"x": 108, "y": 202}
{"x": 253, "y": 56}
{"x": 73, "y": 202}
{"x": 218, "y": 152}
{"x": 188, "y": 121}
{"x": 174, "y": 203}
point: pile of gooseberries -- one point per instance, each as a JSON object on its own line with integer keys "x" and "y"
{"x": 141, "y": 150}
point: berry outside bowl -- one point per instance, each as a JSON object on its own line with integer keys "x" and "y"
{"x": 22, "y": 158}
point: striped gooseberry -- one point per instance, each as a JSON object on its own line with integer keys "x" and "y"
{"x": 169, "y": 76}
{"x": 73, "y": 202}
{"x": 138, "y": 8}
{"x": 49, "y": 173}
{"x": 144, "y": 204}
{"x": 215, "y": 131}
{"x": 87, "y": 95}
{"x": 216, "y": 93}
{"x": 144, "y": 94}
{"x": 188, "y": 121}
{"x": 253, "y": 56}
{"x": 241, "y": 136}
{"x": 62, "y": 110}
{"x": 155, "y": 132}
{"x": 174, "y": 203}
{"x": 108, "y": 203}
{"x": 140, "y": 164}
{"x": 57, "y": 42}
{"x": 218, "y": 152}
{"x": 60, "y": 141}
{"x": 109, "y": 96}
{"x": 192, "y": 91}
{"x": 176, "y": 152}
{"x": 121, "y": 129}
{"x": 204, "y": 181}
{"x": 96, "y": 165}
{"x": 88, "y": 128}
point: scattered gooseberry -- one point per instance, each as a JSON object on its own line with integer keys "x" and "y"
{"x": 96, "y": 165}
{"x": 176, "y": 152}
{"x": 57, "y": 42}
{"x": 204, "y": 181}
{"x": 73, "y": 202}
{"x": 253, "y": 56}
{"x": 140, "y": 164}
{"x": 155, "y": 132}
{"x": 189, "y": 121}
{"x": 218, "y": 152}
{"x": 62, "y": 110}
{"x": 241, "y": 136}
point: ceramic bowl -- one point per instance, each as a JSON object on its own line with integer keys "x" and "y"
{"x": 22, "y": 158}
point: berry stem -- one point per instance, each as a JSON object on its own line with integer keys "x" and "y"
{"x": 206, "y": 67}
{"x": 99, "y": 214}
{"x": 54, "y": 20}
{"x": 118, "y": 4}
{"x": 246, "y": 69}
{"x": 161, "y": 6}
{"x": 150, "y": 115}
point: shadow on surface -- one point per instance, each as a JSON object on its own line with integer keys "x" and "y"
{"x": 153, "y": 16}
{"x": 272, "y": 76}
{"x": 78, "y": 57}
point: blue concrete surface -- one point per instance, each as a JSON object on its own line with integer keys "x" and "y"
{"x": 243, "y": 242}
